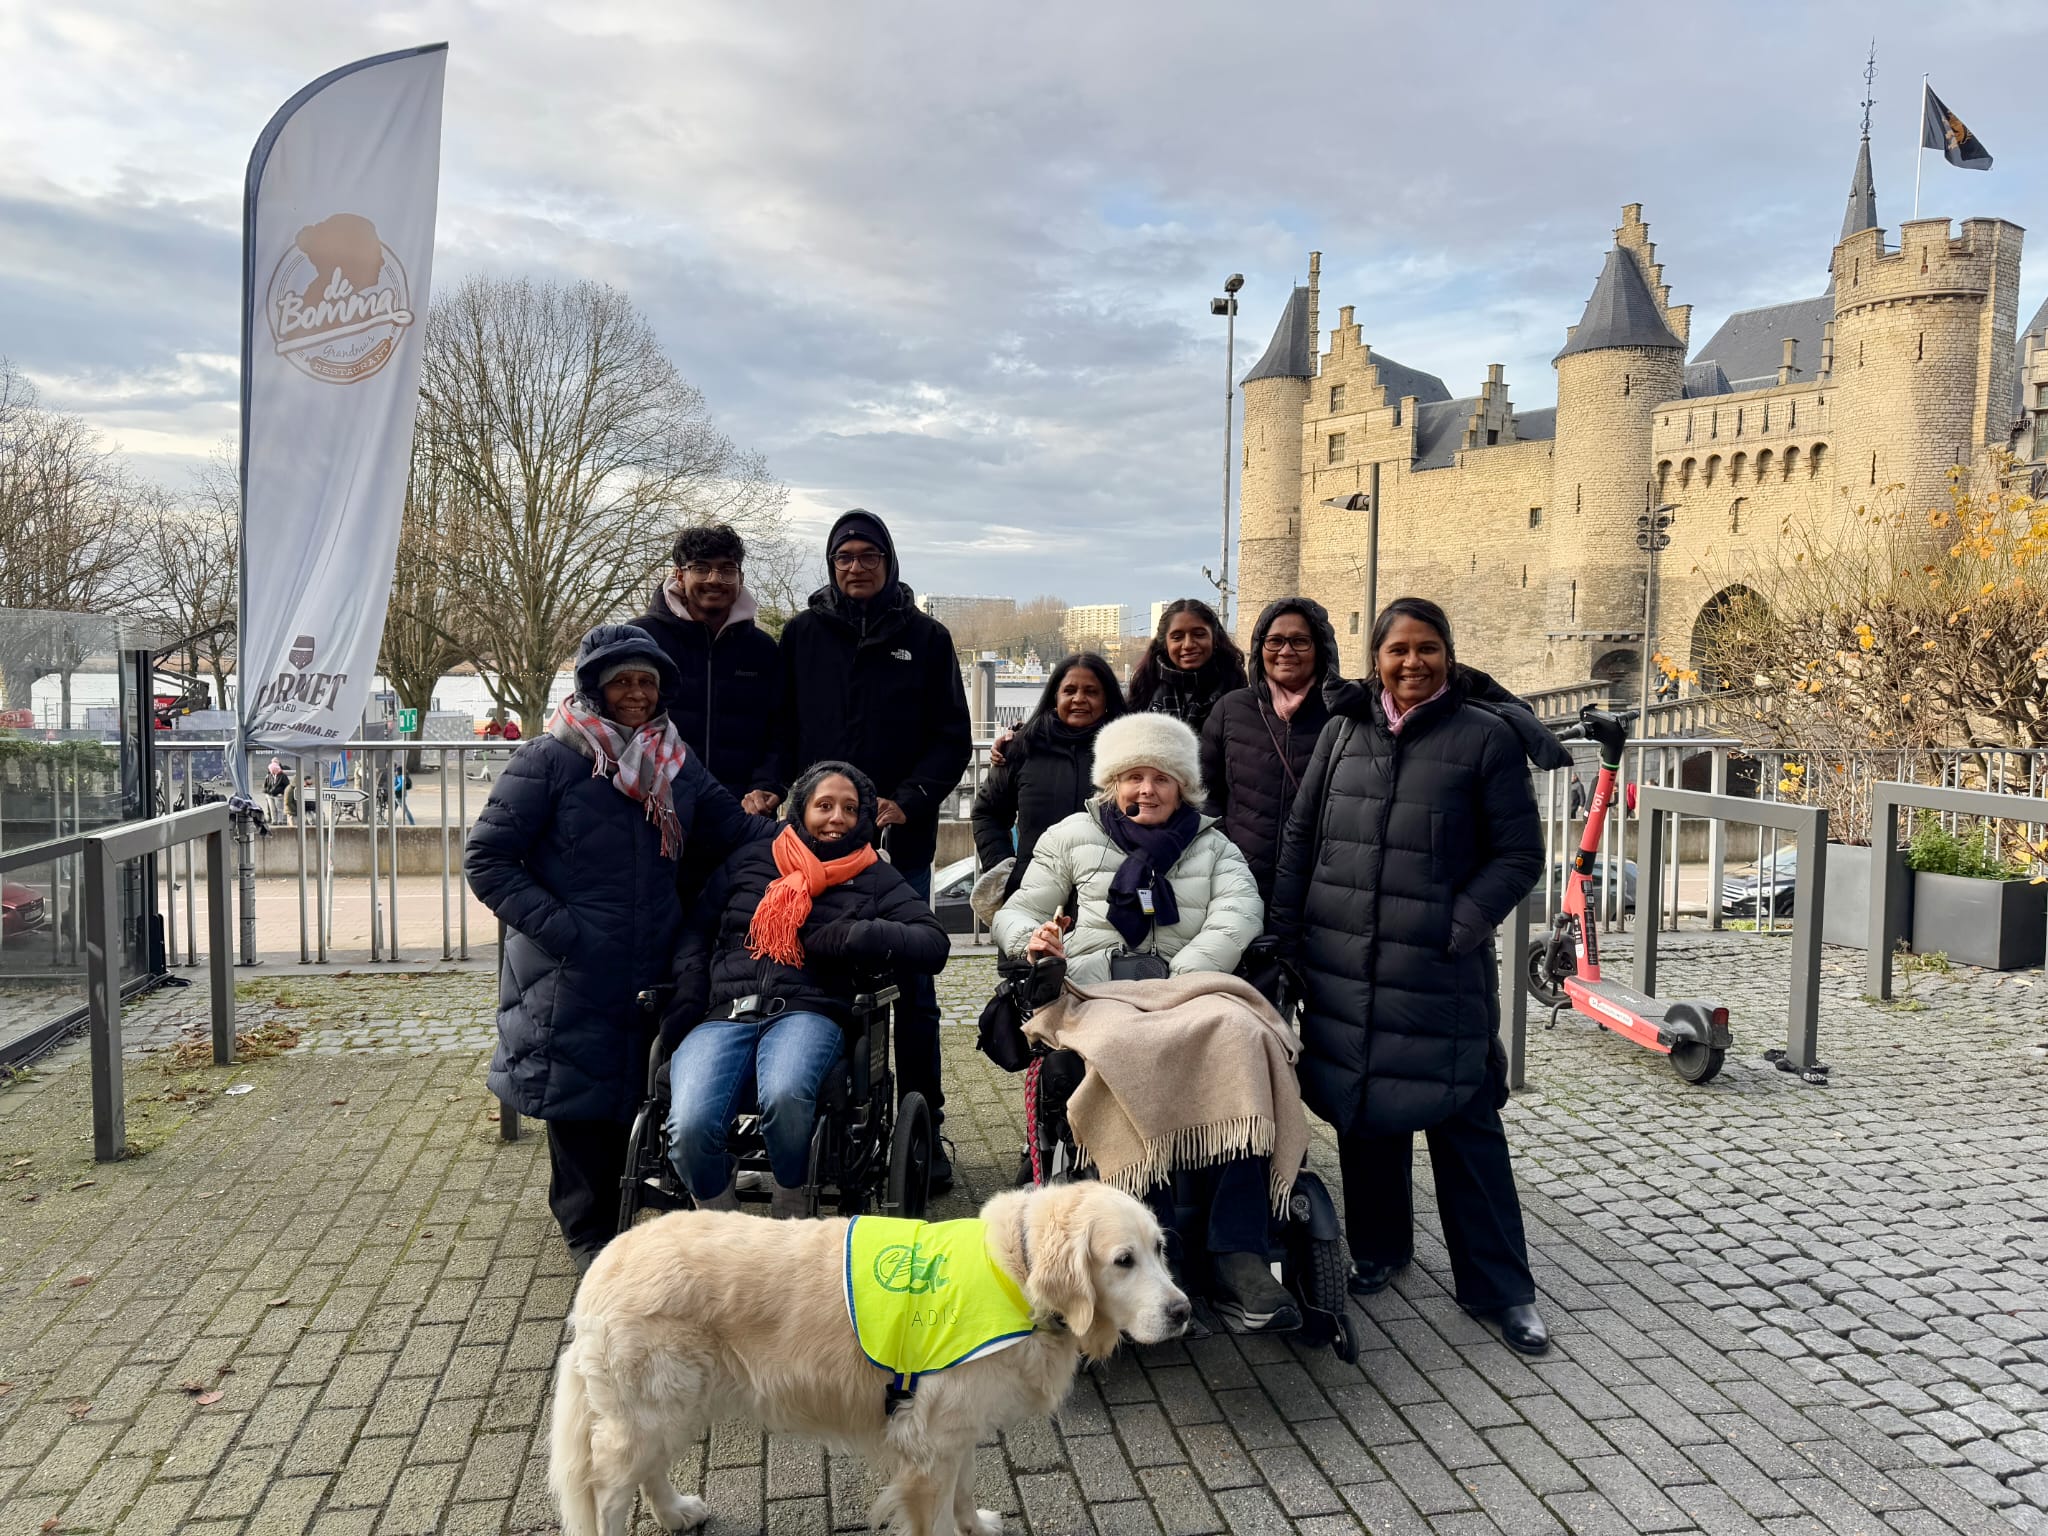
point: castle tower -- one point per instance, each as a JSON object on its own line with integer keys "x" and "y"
{"x": 1276, "y": 392}
{"x": 1624, "y": 358}
{"x": 1923, "y": 357}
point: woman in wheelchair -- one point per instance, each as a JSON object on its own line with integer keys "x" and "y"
{"x": 1141, "y": 886}
{"x": 766, "y": 977}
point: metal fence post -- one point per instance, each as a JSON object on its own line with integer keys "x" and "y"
{"x": 1802, "y": 1035}
{"x": 1650, "y": 838}
{"x": 1514, "y": 986}
{"x": 103, "y": 1003}
{"x": 1717, "y": 837}
{"x": 220, "y": 958}
{"x": 1885, "y": 867}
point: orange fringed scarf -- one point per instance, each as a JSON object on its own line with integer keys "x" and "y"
{"x": 772, "y": 935}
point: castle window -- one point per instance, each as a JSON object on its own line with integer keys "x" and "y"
{"x": 1492, "y": 436}
{"x": 1920, "y": 350}
{"x": 1688, "y": 426}
{"x": 1813, "y": 458}
{"x": 1397, "y": 413}
{"x": 1354, "y": 623}
{"x": 1525, "y": 576}
{"x": 1336, "y": 398}
{"x": 1738, "y": 421}
{"x": 1791, "y": 462}
{"x": 1624, "y": 386}
{"x": 1859, "y": 354}
{"x": 1735, "y": 468}
{"x": 1685, "y": 473}
{"x": 1578, "y": 498}
{"x": 1713, "y": 424}
{"x": 1535, "y": 517}
{"x": 2041, "y": 397}
{"x": 1735, "y": 514}
{"x": 1336, "y": 447}
{"x": 1575, "y": 602}
{"x": 1792, "y": 421}
{"x": 1763, "y": 466}
{"x": 1713, "y": 464}
{"x": 1663, "y": 475}
{"x": 1475, "y": 562}
{"x": 1767, "y": 415}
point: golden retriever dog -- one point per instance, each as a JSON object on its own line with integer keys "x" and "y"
{"x": 703, "y": 1316}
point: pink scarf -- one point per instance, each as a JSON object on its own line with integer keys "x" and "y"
{"x": 1396, "y": 714}
{"x": 1285, "y": 703}
{"x": 643, "y": 766}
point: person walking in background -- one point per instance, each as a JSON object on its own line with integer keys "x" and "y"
{"x": 703, "y": 616}
{"x": 1190, "y": 664}
{"x": 766, "y": 977}
{"x": 868, "y": 679}
{"x": 1047, "y": 770}
{"x": 511, "y": 727}
{"x": 277, "y": 786}
{"x": 1577, "y": 806}
{"x": 1260, "y": 737}
{"x": 576, "y": 851}
{"x": 1414, "y": 836}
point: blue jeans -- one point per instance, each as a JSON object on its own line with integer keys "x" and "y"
{"x": 722, "y": 1068}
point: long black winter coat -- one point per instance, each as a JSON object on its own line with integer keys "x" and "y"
{"x": 1402, "y": 855}
{"x": 725, "y": 702}
{"x": 1189, "y": 696}
{"x": 878, "y": 687}
{"x": 1252, "y": 760}
{"x": 1047, "y": 774}
{"x": 590, "y": 907}
{"x": 889, "y": 927}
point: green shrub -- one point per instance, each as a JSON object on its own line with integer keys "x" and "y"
{"x": 1935, "y": 850}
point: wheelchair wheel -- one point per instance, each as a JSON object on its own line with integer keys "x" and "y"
{"x": 1316, "y": 1266}
{"x": 910, "y": 1160}
{"x": 630, "y": 1189}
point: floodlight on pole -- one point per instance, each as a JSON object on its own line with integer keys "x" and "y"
{"x": 1227, "y": 307}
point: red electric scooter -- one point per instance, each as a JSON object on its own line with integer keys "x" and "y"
{"x": 1565, "y": 970}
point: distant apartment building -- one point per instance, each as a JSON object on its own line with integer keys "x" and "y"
{"x": 1158, "y": 613}
{"x": 967, "y": 612}
{"x": 1095, "y": 627}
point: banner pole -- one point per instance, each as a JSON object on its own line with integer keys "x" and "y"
{"x": 1920, "y": 146}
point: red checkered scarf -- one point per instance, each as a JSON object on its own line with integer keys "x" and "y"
{"x": 642, "y": 766}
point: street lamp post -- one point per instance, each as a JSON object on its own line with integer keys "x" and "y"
{"x": 1227, "y": 307}
{"x": 1652, "y": 535}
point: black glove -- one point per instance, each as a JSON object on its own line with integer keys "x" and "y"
{"x": 836, "y": 940}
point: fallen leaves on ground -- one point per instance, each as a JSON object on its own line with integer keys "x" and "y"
{"x": 277, "y": 1301}
{"x": 79, "y": 1410}
{"x": 85, "y": 1184}
{"x": 267, "y": 1039}
{"x": 81, "y": 1280}
{"x": 193, "y": 1385}
{"x": 208, "y": 1399}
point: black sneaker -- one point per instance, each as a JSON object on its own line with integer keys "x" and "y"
{"x": 942, "y": 1166}
{"x": 1248, "y": 1298}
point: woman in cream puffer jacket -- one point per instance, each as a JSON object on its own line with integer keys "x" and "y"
{"x": 1076, "y": 860}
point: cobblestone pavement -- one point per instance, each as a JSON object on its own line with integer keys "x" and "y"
{"x": 331, "y": 1303}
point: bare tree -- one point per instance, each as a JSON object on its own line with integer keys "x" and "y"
{"x": 63, "y": 501}
{"x": 183, "y": 573}
{"x": 574, "y": 446}
{"x": 420, "y": 642}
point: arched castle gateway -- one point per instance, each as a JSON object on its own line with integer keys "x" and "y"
{"x": 1523, "y": 523}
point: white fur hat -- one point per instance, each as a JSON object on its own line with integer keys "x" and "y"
{"x": 1150, "y": 741}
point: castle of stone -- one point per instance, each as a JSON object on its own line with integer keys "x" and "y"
{"x": 1524, "y": 523}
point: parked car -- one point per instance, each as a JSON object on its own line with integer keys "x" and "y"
{"x": 951, "y": 884}
{"x": 21, "y": 909}
{"x": 1773, "y": 881}
{"x": 1596, "y": 885}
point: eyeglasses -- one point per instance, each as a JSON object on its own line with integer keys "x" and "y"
{"x": 863, "y": 560}
{"x": 724, "y": 570}
{"x": 1301, "y": 645}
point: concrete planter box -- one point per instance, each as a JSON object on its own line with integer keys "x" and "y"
{"x": 1846, "y": 918}
{"x": 2001, "y": 924}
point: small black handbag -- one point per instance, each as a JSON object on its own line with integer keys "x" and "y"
{"x": 1019, "y": 985}
{"x": 1139, "y": 965}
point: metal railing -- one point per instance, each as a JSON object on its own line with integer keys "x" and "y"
{"x": 1888, "y": 860}
{"x": 101, "y": 853}
{"x": 1809, "y": 826}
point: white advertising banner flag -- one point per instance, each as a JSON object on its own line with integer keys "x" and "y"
{"x": 337, "y": 253}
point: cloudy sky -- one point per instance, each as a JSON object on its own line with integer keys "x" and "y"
{"x": 952, "y": 262}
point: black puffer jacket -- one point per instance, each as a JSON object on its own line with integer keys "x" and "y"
{"x": 1402, "y": 855}
{"x": 575, "y": 869}
{"x": 725, "y": 701}
{"x": 1252, "y": 760}
{"x": 874, "y": 920}
{"x": 1047, "y": 774}
{"x": 878, "y": 685}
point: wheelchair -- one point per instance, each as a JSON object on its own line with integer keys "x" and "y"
{"x": 867, "y": 1151}
{"x": 1307, "y": 1244}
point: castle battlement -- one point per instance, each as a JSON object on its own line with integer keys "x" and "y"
{"x": 1929, "y": 263}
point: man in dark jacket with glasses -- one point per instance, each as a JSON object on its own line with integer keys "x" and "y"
{"x": 869, "y": 679}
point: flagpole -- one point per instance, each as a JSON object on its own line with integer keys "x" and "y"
{"x": 1919, "y": 146}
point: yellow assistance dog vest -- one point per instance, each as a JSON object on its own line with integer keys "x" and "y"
{"x": 923, "y": 1296}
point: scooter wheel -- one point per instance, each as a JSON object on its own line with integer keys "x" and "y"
{"x": 1696, "y": 1063}
{"x": 1541, "y": 987}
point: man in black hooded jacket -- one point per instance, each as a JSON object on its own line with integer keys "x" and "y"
{"x": 868, "y": 678}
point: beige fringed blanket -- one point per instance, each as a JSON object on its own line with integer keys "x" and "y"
{"x": 1182, "y": 1073}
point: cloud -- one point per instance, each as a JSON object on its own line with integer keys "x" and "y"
{"x": 954, "y": 264}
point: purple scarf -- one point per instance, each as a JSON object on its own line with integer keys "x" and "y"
{"x": 1149, "y": 853}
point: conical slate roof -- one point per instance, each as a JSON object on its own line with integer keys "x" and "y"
{"x": 1622, "y": 312}
{"x": 1862, "y": 212}
{"x": 1291, "y": 352}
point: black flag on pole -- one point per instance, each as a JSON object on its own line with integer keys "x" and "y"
{"x": 1941, "y": 129}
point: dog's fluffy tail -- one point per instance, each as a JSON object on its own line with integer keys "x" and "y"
{"x": 569, "y": 1458}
